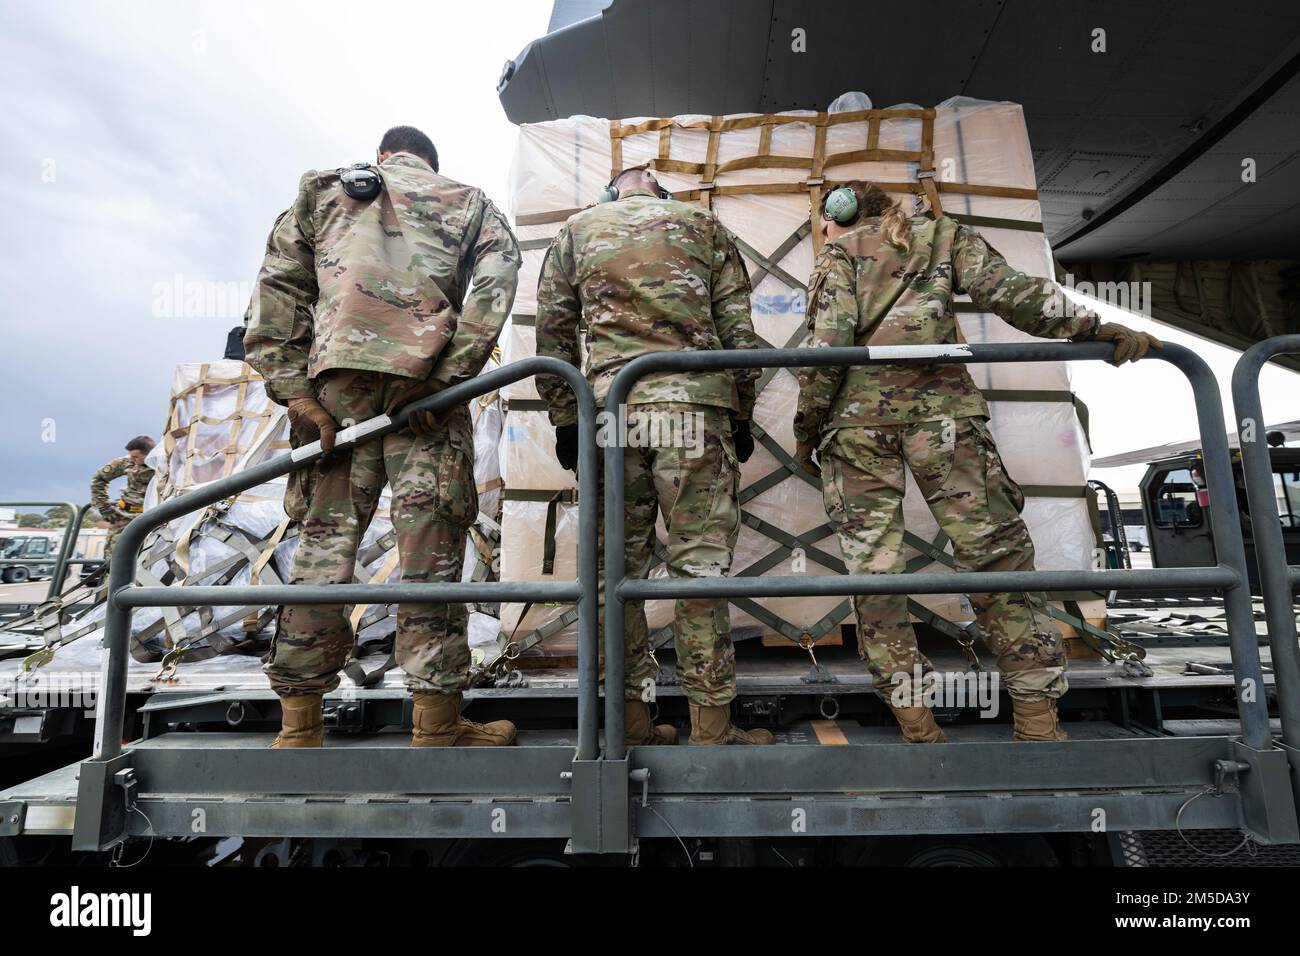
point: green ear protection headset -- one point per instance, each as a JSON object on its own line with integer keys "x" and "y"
{"x": 610, "y": 192}
{"x": 841, "y": 206}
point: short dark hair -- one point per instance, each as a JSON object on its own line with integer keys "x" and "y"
{"x": 140, "y": 443}
{"x": 408, "y": 139}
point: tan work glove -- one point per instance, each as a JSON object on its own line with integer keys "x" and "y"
{"x": 804, "y": 452}
{"x": 1130, "y": 344}
{"x": 313, "y": 422}
{"x": 421, "y": 423}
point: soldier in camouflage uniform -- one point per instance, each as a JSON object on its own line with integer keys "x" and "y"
{"x": 647, "y": 274}
{"x": 885, "y": 280}
{"x": 131, "y": 502}
{"x": 364, "y": 305}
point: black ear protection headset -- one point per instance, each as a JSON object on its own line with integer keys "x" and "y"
{"x": 361, "y": 181}
{"x": 610, "y": 192}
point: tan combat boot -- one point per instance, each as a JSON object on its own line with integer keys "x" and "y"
{"x": 302, "y": 721}
{"x": 436, "y": 722}
{"x": 918, "y": 725}
{"x": 712, "y": 725}
{"x": 637, "y": 729}
{"x": 1036, "y": 720}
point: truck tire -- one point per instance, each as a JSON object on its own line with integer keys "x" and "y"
{"x": 18, "y": 575}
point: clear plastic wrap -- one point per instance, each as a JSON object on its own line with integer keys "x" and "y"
{"x": 221, "y": 421}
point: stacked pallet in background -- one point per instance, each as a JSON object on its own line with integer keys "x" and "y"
{"x": 220, "y": 421}
{"x": 763, "y": 175}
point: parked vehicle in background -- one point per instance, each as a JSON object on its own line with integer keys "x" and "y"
{"x": 28, "y": 557}
{"x": 1137, "y": 536}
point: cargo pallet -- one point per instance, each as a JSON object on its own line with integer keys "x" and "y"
{"x": 1133, "y": 771}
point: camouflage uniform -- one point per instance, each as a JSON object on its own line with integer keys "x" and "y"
{"x": 357, "y": 300}
{"x": 873, "y": 420}
{"x": 652, "y": 275}
{"x": 131, "y": 502}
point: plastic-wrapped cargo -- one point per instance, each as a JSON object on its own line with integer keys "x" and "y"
{"x": 220, "y": 421}
{"x": 763, "y": 175}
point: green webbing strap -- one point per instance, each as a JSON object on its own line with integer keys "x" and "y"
{"x": 553, "y": 499}
{"x": 1108, "y": 645}
{"x": 1055, "y": 491}
{"x": 826, "y": 560}
{"x": 768, "y": 481}
{"x": 526, "y": 244}
{"x": 1027, "y": 395}
{"x": 513, "y": 648}
{"x": 993, "y": 222}
{"x": 750, "y": 607}
{"x": 1081, "y": 410}
{"x": 548, "y": 538}
{"x": 381, "y": 546}
{"x": 778, "y": 254}
{"x": 791, "y": 463}
{"x": 568, "y": 496}
{"x": 363, "y": 678}
{"x": 769, "y": 265}
{"x": 931, "y": 550}
{"x": 796, "y": 337}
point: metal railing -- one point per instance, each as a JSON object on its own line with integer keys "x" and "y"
{"x": 599, "y": 810}
{"x": 1276, "y": 577}
{"x": 1229, "y": 576}
{"x": 123, "y": 595}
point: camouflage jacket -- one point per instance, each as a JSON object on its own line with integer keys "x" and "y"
{"x": 382, "y": 284}
{"x": 137, "y": 482}
{"x": 864, "y": 291}
{"x": 646, "y": 275}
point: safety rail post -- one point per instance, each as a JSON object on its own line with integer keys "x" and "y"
{"x": 105, "y": 777}
{"x": 66, "y": 544}
{"x": 1266, "y": 813}
{"x": 1276, "y": 578}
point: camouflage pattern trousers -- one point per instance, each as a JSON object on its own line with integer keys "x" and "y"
{"x": 433, "y": 503}
{"x": 692, "y": 480}
{"x": 115, "y": 528}
{"x": 960, "y": 473}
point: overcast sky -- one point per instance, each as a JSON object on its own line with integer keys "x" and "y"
{"x": 144, "y": 141}
{"x": 150, "y": 143}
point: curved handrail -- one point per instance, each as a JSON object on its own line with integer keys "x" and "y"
{"x": 123, "y": 595}
{"x": 1230, "y": 575}
{"x": 1275, "y": 577}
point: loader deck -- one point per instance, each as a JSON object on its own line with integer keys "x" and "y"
{"x": 1147, "y": 745}
{"x": 373, "y": 785}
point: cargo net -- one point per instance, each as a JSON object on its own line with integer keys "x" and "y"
{"x": 220, "y": 421}
{"x": 764, "y": 176}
